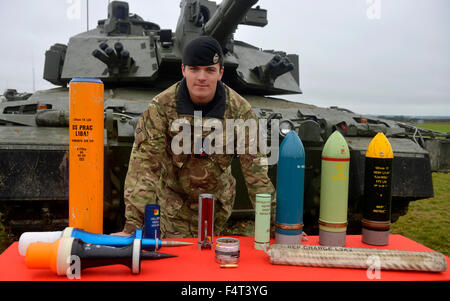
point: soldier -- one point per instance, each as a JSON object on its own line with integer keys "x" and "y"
{"x": 158, "y": 173}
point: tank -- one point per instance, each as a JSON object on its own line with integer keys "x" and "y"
{"x": 136, "y": 60}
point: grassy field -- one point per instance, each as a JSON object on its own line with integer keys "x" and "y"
{"x": 436, "y": 126}
{"x": 428, "y": 221}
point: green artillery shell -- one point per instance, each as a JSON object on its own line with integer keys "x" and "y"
{"x": 377, "y": 191}
{"x": 334, "y": 191}
{"x": 262, "y": 221}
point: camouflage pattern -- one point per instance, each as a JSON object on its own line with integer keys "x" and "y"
{"x": 157, "y": 175}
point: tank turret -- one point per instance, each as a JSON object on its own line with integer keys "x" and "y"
{"x": 126, "y": 49}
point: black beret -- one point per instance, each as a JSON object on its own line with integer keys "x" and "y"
{"x": 202, "y": 51}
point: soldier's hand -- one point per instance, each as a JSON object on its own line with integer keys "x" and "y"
{"x": 120, "y": 234}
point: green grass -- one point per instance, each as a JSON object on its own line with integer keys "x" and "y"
{"x": 436, "y": 126}
{"x": 428, "y": 221}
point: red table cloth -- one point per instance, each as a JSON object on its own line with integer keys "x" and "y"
{"x": 194, "y": 265}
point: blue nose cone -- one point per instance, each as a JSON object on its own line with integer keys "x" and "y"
{"x": 290, "y": 188}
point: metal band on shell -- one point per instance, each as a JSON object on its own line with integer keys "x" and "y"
{"x": 375, "y": 225}
{"x": 333, "y": 225}
{"x": 289, "y": 227}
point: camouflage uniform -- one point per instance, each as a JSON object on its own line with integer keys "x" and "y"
{"x": 157, "y": 175}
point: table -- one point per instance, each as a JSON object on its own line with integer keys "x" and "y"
{"x": 194, "y": 265}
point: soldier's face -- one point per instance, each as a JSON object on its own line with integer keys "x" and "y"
{"x": 202, "y": 81}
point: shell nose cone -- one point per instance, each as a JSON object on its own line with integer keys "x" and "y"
{"x": 336, "y": 147}
{"x": 292, "y": 147}
{"x": 380, "y": 147}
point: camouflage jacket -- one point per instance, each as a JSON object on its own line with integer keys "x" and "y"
{"x": 157, "y": 174}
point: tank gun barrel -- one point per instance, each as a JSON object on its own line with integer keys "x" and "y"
{"x": 125, "y": 60}
{"x": 118, "y": 59}
{"x": 226, "y": 19}
{"x": 119, "y": 48}
{"x": 102, "y": 57}
{"x": 111, "y": 53}
{"x": 103, "y": 46}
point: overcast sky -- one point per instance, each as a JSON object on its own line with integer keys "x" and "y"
{"x": 369, "y": 56}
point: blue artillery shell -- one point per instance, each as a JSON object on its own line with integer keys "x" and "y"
{"x": 290, "y": 184}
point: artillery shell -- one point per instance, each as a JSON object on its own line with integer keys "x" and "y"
{"x": 377, "y": 192}
{"x": 290, "y": 188}
{"x": 334, "y": 191}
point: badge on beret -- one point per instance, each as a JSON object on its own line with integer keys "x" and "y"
{"x": 216, "y": 59}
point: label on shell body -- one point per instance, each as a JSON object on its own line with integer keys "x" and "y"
{"x": 377, "y": 189}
